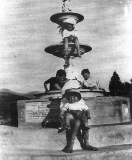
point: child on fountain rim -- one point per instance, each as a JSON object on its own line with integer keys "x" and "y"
{"x": 75, "y": 106}
{"x": 88, "y": 83}
{"x": 68, "y": 32}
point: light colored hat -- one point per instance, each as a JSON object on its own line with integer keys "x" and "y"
{"x": 74, "y": 92}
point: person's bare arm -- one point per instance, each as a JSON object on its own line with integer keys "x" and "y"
{"x": 62, "y": 114}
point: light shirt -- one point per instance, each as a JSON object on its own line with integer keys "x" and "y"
{"x": 67, "y": 33}
{"x": 80, "y": 105}
{"x": 70, "y": 20}
{"x": 89, "y": 83}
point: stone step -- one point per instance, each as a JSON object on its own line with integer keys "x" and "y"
{"x": 120, "y": 152}
{"x": 49, "y": 139}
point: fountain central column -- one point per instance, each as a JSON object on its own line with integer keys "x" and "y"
{"x": 63, "y": 19}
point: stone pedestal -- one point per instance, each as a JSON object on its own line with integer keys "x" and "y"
{"x": 104, "y": 111}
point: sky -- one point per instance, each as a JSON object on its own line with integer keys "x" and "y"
{"x": 26, "y": 30}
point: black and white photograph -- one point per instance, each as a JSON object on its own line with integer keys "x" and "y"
{"x": 65, "y": 80}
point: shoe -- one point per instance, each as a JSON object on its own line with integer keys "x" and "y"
{"x": 90, "y": 148}
{"x": 63, "y": 129}
{"x": 67, "y": 150}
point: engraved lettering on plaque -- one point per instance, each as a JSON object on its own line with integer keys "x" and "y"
{"x": 36, "y": 111}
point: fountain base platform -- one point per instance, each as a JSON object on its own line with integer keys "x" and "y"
{"x": 27, "y": 144}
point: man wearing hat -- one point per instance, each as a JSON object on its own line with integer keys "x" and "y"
{"x": 75, "y": 111}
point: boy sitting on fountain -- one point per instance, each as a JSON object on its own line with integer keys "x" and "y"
{"x": 88, "y": 83}
{"x": 56, "y": 83}
{"x": 68, "y": 32}
{"x": 76, "y": 106}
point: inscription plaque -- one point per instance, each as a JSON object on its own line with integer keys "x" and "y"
{"x": 36, "y": 111}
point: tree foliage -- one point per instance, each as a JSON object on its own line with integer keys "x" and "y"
{"x": 117, "y": 88}
{"x": 115, "y": 84}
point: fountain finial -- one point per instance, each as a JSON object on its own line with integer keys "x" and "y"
{"x": 66, "y": 6}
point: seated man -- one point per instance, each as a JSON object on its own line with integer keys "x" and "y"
{"x": 56, "y": 83}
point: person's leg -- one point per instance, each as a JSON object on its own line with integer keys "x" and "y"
{"x": 77, "y": 46}
{"x": 85, "y": 134}
{"x": 68, "y": 120}
{"x": 62, "y": 127}
{"x": 65, "y": 43}
{"x": 65, "y": 122}
{"x": 68, "y": 134}
{"x": 86, "y": 141}
{"x": 80, "y": 138}
{"x": 73, "y": 134}
{"x": 84, "y": 121}
{"x": 62, "y": 120}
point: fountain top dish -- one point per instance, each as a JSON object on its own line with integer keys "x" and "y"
{"x": 57, "y": 49}
{"x": 59, "y": 18}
